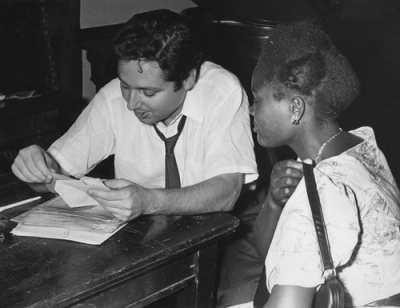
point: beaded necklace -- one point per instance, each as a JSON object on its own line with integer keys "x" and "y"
{"x": 321, "y": 149}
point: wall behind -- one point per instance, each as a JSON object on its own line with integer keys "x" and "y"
{"x": 95, "y": 13}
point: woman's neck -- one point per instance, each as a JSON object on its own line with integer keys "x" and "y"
{"x": 328, "y": 144}
{"x": 317, "y": 143}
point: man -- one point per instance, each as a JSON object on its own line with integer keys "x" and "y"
{"x": 163, "y": 83}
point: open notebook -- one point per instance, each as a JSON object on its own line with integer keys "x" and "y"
{"x": 72, "y": 215}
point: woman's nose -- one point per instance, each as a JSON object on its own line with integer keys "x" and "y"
{"x": 252, "y": 109}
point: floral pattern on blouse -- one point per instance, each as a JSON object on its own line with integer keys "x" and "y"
{"x": 360, "y": 203}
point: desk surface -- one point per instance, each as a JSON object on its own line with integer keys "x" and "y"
{"x": 55, "y": 273}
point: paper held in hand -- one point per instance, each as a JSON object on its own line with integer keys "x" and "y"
{"x": 74, "y": 192}
{"x": 73, "y": 215}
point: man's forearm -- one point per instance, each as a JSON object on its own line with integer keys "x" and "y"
{"x": 216, "y": 194}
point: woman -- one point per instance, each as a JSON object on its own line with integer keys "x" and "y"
{"x": 301, "y": 84}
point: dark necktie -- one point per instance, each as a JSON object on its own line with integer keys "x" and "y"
{"x": 261, "y": 296}
{"x": 172, "y": 179}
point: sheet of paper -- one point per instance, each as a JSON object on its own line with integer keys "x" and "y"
{"x": 80, "y": 236}
{"x": 55, "y": 219}
{"x": 56, "y": 212}
{"x": 74, "y": 192}
{"x": 56, "y": 177}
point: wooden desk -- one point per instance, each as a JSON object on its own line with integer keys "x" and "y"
{"x": 150, "y": 258}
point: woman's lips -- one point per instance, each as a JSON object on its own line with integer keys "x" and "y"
{"x": 255, "y": 128}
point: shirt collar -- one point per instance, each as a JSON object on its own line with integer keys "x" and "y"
{"x": 193, "y": 108}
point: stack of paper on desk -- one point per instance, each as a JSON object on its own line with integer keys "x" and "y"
{"x": 71, "y": 216}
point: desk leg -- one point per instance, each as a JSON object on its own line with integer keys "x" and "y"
{"x": 202, "y": 293}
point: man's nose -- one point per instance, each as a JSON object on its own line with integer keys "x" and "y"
{"x": 133, "y": 100}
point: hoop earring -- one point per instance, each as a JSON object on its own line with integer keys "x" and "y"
{"x": 295, "y": 121}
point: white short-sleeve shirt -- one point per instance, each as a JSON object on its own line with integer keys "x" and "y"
{"x": 216, "y": 138}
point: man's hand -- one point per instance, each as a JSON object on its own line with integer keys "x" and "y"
{"x": 125, "y": 200}
{"x": 285, "y": 177}
{"x": 34, "y": 165}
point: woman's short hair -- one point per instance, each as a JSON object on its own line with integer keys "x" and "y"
{"x": 301, "y": 57}
{"x": 164, "y": 37}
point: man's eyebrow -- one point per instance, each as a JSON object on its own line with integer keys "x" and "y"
{"x": 156, "y": 89}
{"x": 142, "y": 88}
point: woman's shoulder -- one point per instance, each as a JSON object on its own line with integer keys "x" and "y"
{"x": 362, "y": 161}
{"x": 365, "y": 132}
{"x": 362, "y": 172}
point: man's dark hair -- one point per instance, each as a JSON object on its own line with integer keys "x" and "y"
{"x": 164, "y": 37}
{"x": 301, "y": 57}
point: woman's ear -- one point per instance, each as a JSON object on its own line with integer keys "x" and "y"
{"x": 297, "y": 108}
{"x": 190, "y": 82}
